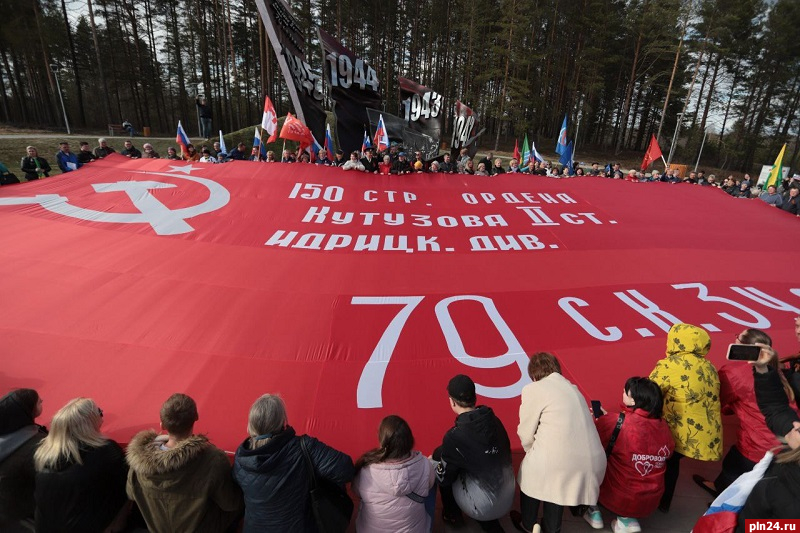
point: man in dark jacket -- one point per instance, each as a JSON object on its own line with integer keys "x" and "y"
{"x": 402, "y": 165}
{"x": 474, "y": 471}
{"x": 239, "y": 153}
{"x": 85, "y": 154}
{"x": 180, "y": 481}
{"x": 370, "y": 162}
{"x": 447, "y": 166}
{"x": 338, "y": 158}
{"x": 204, "y": 113}
{"x": 791, "y": 203}
{"x": 131, "y": 151}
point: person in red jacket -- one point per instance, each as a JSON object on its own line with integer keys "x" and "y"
{"x": 385, "y": 168}
{"x": 737, "y": 397}
{"x": 634, "y": 480}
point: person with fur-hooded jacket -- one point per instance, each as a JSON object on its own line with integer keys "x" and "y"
{"x": 180, "y": 481}
{"x": 271, "y": 469}
{"x": 19, "y": 437}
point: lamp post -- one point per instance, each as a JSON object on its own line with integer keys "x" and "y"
{"x": 674, "y": 139}
{"x": 55, "y": 67}
{"x": 702, "y": 144}
{"x": 577, "y": 127}
{"x": 197, "y": 99}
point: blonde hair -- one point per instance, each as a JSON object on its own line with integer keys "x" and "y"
{"x": 789, "y": 456}
{"x": 267, "y": 418}
{"x": 75, "y": 424}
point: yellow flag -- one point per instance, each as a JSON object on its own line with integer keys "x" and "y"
{"x": 776, "y": 173}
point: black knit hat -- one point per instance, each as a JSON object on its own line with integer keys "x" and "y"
{"x": 462, "y": 388}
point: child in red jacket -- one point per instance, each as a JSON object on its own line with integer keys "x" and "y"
{"x": 634, "y": 480}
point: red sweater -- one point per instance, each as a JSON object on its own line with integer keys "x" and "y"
{"x": 634, "y": 479}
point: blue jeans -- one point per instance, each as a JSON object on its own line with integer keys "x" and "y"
{"x": 205, "y": 128}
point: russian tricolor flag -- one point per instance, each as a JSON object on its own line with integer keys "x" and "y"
{"x": 329, "y": 142}
{"x": 381, "y": 138}
{"x": 182, "y": 139}
{"x": 365, "y": 143}
{"x": 262, "y": 150}
{"x": 535, "y": 153}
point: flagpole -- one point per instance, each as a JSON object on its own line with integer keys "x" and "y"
{"x": 199, "y": 128}
{"x": 701, "y": 150}
{"x": 577, "y": 129}
{"x": 261, "y": 143}
{"x": 674, "y": 138}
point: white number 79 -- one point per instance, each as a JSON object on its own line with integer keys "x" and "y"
{"x": 370, "y": 385}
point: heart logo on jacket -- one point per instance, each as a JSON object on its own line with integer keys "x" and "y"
{"x": 643, "y": 468}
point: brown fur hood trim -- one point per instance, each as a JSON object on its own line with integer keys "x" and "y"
{"x": 146, "y": 457}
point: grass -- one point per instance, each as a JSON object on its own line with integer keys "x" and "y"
{"x": 12, "y": 150}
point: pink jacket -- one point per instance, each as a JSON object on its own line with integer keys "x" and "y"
{"x": 383, "y": 487}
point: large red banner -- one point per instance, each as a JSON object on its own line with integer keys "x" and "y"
{"x": 357, "y": 295}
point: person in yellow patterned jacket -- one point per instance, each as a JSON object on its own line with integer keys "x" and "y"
{"x": 691, "y": 401}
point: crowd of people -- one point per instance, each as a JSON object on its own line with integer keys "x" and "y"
{"x": 395, "y": 161}
{"x": 71, "y": 478}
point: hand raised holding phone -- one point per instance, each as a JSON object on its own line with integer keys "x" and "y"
{"x": 743, "y": 352}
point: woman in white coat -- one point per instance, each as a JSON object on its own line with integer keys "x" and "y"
{"x": 564, "y": 461}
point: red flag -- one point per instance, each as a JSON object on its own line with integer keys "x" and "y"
{"x": 653, "y": 152}
{"x": 516, "y": 150}
{"x": 294, "y": 130}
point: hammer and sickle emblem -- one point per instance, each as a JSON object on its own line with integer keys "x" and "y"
{"x": 163, "y": 220}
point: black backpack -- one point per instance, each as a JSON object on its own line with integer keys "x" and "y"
{"x": 8, "y": 179}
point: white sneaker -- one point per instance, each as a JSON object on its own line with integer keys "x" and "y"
{"x": 593, "y": 517}
{"x": 536, "y": 528}
{"x": 625, "y": 525}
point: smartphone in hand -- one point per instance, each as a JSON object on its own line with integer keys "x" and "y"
{"x": 743, "y": 352}
{"x": 596, "y": 409}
